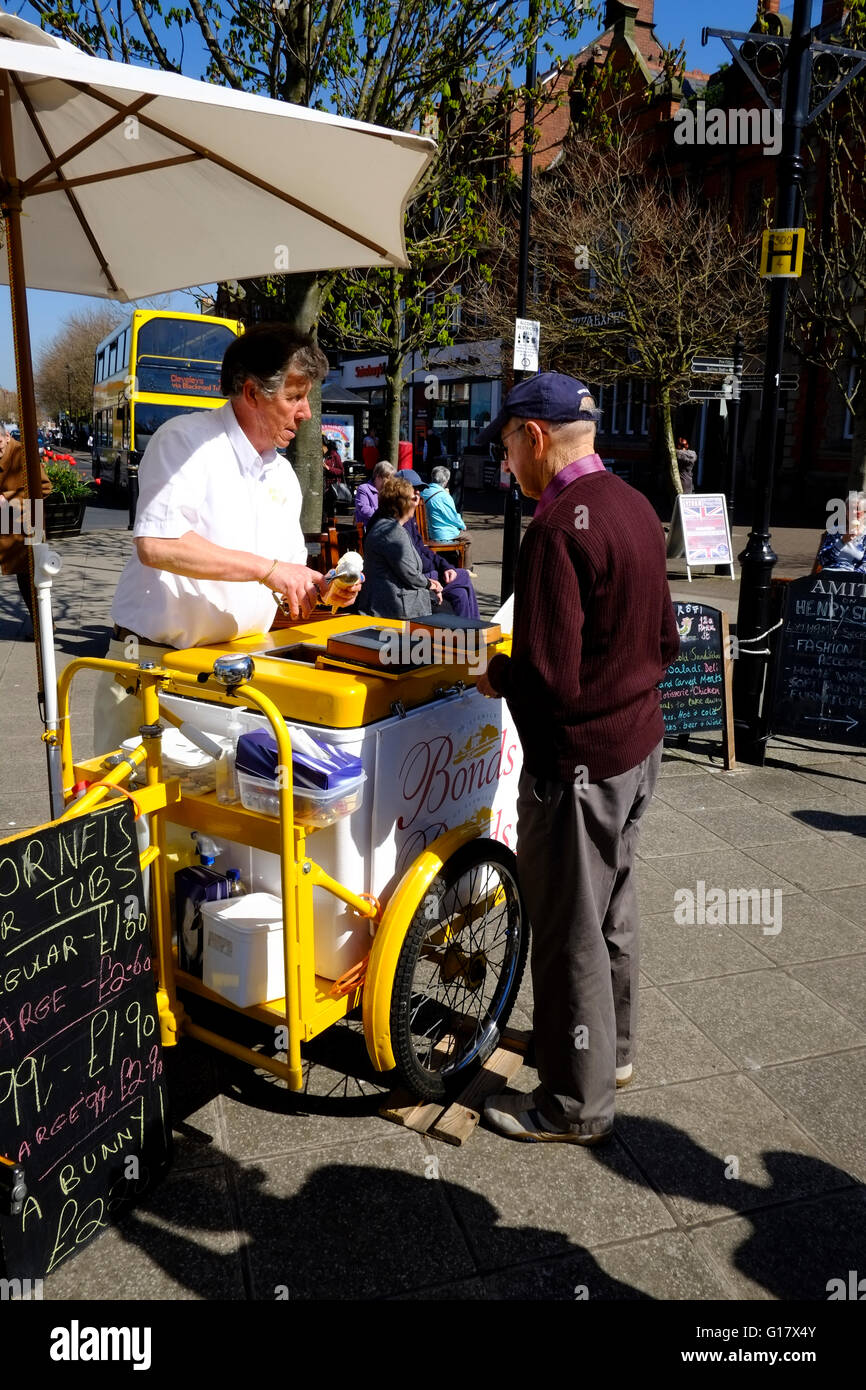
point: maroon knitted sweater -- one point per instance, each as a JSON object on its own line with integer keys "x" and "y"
{"x": 594, "y": 631}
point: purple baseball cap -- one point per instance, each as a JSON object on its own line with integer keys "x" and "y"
{"x": 547, "y": 396}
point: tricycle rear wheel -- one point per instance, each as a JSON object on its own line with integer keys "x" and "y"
{"x": 459, "y": 969}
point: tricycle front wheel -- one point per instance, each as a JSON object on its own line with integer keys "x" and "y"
{"x": 459, "y": 968}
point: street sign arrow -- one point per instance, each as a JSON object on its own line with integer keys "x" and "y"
{"x": 786, "y": 383}
{"x": 718, "y": 395}
{"x": 714, "y": 366}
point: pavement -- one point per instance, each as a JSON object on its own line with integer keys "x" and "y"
{"x": 737, "y": 1165}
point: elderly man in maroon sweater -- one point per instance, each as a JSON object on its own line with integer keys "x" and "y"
{"x": 594, "y": 631}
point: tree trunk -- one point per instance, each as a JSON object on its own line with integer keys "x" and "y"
{"x": 666, "y": 422}
{"x": 303, "y": 300}
{"x": 394, "y": 384}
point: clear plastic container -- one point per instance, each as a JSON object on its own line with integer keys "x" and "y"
{"x": 313, "y": 807}
{"x": 196, "y": 770}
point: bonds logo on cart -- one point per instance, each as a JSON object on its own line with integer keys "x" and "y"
{"x": 83, "y": 1109}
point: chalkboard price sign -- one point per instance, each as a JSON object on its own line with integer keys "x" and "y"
{"x": 83, "y": 1105}
{"x": 820, "y": 682}
{"x": 695, "y": 693}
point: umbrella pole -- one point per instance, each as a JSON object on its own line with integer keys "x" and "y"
{"x": 10, "y": 201}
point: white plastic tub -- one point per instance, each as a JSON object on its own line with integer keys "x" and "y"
{"x": 243, "y": 948}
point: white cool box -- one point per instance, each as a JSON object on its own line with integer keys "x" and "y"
{"x": 243, "y": 948}
{"x": 444, "y": 764}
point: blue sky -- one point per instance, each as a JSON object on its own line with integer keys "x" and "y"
{"x": 674, "y": 19}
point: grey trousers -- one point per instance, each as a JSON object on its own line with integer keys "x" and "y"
{"x": 575, "y": 851}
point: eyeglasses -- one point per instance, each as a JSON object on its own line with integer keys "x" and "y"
{"x": 499, "y": 452}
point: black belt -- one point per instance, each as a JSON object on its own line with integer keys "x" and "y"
{"x": 120, "y": 634}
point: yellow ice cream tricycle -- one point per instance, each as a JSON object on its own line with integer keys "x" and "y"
{"x": 403, "y": 901}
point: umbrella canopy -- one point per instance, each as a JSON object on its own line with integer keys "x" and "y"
{"x": 136, "y": 181}
{"x": 122, "y": 182}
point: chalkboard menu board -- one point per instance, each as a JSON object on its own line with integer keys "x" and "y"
{"x": 696, "y": 690}
{"x": 820, "y": 669}
{"x": 83, "y": 1106}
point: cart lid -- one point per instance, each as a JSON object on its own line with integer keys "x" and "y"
{"x": 294, "y": 670}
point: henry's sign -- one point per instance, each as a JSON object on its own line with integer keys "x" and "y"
{"x": 820, "y": 672}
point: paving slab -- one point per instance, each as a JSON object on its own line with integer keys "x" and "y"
{"x": 677, "y": 768}
{"x": 703, "y": 793}
{"x": 549, "y": 1198}
{"x": 787, "y": 790}
{"x": 813, "y": 864}
{"x": 665, "y": 1266}
{"x": 352, "y": 1221}
{"x": 704, "y": 1146}
{"x": 789, "y": 1253}
{"x": 753, "y": 824}
{"x": 765, "y": 1017}
{"x": 179, "y": 1242}
{"x": 725, "y": 868}
{"x": 337, "y": 1106}
{"x": 665, "y": 831}
{"x": 671, "y": 951}
{"x": 655, "y": 893}
{"x": 848, "y": 902}
{"x": 841, "y": 982}
{"x": 827, "y": 1098}
{"x": 810, "y": 931}
{"x": 670, "y": 1047}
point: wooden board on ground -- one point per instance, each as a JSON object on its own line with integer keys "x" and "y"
{"x": 455, "y": 1122}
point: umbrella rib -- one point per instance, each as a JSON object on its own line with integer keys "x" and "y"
{"x": 84, "y": 144}
{"x": 243, "y": 174}
{"x": 64, "y": 183}
{"x": 73, "y": 201}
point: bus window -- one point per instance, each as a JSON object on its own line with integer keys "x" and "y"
{"x": 100, "y": 366}
{"x": 186, "y": 339}
{"x": 148, "y": 419}
{"x": 181, "y": 357}
{"x": 112, "y": 358}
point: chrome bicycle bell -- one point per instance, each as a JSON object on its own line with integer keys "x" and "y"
{"x": 232, "y": 670}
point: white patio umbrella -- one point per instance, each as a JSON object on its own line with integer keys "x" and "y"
{"x": 121, "y": 182}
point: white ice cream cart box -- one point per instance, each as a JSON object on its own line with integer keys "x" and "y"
{"x": 435, "y": 757}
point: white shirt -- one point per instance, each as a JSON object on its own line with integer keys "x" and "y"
{"x": 200, "y": 473}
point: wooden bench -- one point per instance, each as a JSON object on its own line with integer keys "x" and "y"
{"x": 456, "y": 548}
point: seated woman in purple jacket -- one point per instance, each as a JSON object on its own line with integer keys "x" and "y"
{"x": 367, "y": 495}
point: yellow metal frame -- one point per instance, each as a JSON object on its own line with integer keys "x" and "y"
{"x": 309, "y": 1005}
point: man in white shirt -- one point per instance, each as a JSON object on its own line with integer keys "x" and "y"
{"x": 217, "y": 530}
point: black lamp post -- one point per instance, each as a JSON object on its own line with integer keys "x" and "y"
{"x": 514, "y": 497}
{"x": 795, "y": 59}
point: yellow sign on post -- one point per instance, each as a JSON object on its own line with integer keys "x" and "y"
{"x": 782, "y": 253}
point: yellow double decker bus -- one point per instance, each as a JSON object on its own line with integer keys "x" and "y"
{"x": 155, "y": 365}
